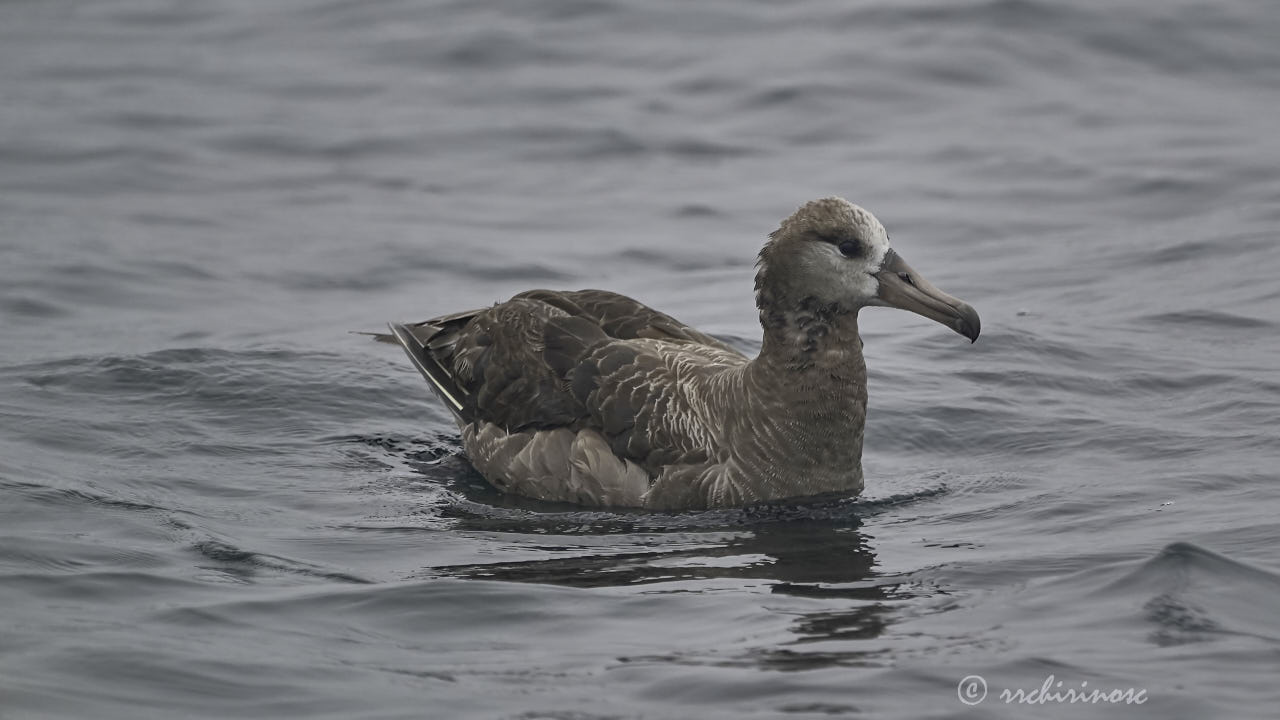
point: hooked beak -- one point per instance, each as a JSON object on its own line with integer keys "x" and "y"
{"x": 902, "y": 287}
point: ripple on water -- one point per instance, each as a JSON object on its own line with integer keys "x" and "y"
{"x": 1216, "y": 321}
{"x": 31, "y": 309}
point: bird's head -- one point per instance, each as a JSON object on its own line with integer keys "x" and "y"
{"x": 836, "y": 254}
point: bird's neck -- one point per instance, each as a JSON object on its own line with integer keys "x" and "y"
{"x": 813, "y": 348}
{"x": 811, "y": 377}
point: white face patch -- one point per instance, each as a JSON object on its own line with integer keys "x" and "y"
{"x": 873, "y": 235}
{"x": 831, "y": 276}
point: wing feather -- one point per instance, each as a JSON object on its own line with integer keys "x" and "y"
{"x": 587, "y": 361}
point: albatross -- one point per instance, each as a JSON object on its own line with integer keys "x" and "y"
{"x": 590, "y": 397}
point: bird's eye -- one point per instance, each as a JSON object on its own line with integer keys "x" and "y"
{"x": 849, "y": 248}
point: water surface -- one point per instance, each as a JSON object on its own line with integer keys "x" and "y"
{"x": 215, "y": 502}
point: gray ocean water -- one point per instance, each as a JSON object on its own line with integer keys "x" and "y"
{"x": 216, "y": 502}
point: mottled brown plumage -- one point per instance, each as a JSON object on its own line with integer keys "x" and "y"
{"x": 593, "y": 398}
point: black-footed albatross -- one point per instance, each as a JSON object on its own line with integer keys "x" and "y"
{"x": 590, "y": 397}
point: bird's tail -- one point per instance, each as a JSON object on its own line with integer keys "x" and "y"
{"x": 380, "y": 337}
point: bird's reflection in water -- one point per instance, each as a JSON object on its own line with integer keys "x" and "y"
{"x": 794, "y": 553}
{"x": 815, "y": 550}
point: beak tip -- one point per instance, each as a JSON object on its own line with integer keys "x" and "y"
{"x": 970, "y": 324}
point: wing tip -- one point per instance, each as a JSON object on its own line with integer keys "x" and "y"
{"x": 441, "y": 381}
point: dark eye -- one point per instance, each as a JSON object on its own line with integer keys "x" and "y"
{"x": 849, "y": 248}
